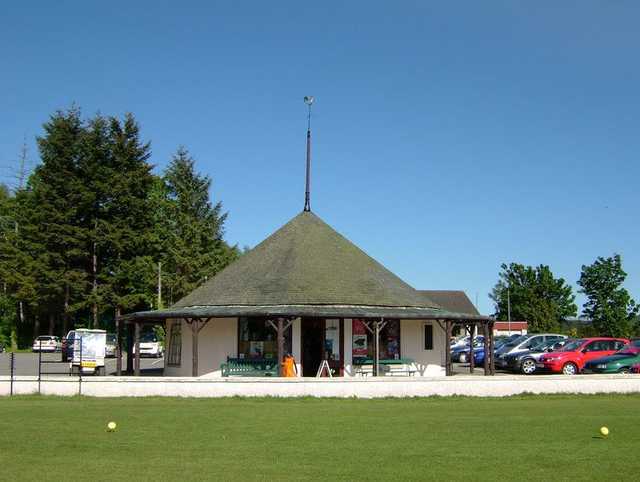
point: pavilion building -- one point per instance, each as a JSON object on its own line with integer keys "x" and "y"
{"x": 309, "y": 291}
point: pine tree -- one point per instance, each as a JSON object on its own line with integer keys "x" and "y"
{"x": 190, "y": 228}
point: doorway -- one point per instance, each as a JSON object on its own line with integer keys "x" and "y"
{"x": 312, "y": 345}
{"x": 322, "y": 340}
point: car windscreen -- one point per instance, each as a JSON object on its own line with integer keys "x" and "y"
{"x": 45, "y": 338}
{"x": 148, "y": 338}
{"x": 515, "y": 342}
{"x": 572, "y": 345}
{"x": 111, "y": 338}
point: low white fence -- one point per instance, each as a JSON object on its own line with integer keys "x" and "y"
{"x": 477, "y": 386}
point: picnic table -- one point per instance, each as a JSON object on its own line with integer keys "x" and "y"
{"x": 393, "y": 366}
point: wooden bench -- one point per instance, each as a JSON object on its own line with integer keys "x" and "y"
{"x": 250, "y": 367}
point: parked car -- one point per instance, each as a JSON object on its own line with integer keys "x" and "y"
{"x": 460, "y": 353}
{"x": 67, "y": 346}
{"x": 1, "y": 347}
{"x": 620, "y": 362}
{"x": 635, "y": 368}
{"x": 572, "y": 358}
{"x": 524, "y": 343}
{"x": 525, "y": 361}
{"x": 478, "y": 353}
{"x": 110, "y": 348}
{"x": 150, "y": 346}
{"x": 46, "y": 343}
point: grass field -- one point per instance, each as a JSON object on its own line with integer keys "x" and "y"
{"x": 526, "y": 438}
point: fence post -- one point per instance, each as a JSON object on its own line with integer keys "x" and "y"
{"x": 13, "y": 367}
{"x": 39, "y": 365}
{"x": 80, "y": 370}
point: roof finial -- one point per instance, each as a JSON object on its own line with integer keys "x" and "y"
{"x": 308, "y": 99}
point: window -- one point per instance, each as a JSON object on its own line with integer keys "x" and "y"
{"x": 618, "y": 345}
{"x": 363, "y": 342}
{"x": 174, "y": 355}
{"x": 428, "y": 336}
{"x": 258, "y": 339}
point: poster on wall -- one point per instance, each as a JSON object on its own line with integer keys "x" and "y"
{"x": 359, "y": 335}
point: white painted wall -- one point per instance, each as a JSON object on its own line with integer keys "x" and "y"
{"x": 371, "y": 387}
{"x": 219, "y": 340}
{"x": 427, "y": 363}
{"x": 216, "y": 341}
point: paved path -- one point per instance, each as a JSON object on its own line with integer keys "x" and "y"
{"x": 27, "y": 364}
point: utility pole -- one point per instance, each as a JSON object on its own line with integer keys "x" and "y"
{"x": 509, "y": 308}
{"x": 159, "y": 285}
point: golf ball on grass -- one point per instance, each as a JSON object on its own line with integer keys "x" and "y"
{"x": 111, "y": 427}
{"x": 604, "y": 431}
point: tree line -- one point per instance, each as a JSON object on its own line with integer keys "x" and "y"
{"x": 533, "y": 294}
{"x": 94, "y": 232}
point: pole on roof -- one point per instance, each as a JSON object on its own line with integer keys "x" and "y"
{"x": 509, "y": 308}
{"x": 308, "y": 99}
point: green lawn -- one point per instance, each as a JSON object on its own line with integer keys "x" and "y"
{"x": 526, "y": 438}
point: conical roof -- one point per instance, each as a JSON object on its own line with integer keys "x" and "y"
{"x": 305, "y": 262}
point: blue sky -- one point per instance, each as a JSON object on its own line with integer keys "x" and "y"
{"x": 449, "y": 137}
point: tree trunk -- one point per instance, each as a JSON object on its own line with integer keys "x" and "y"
{"x": 36, "y": 327}
{"x": 94, "y": 289}
{"x": 52, "y": 323}
{"x": 65, "y": 316}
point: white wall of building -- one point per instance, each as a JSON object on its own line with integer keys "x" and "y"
{"x": 427, "y": 363}
{"x": 216, "y": 341}
{"x": 219, "y": 340}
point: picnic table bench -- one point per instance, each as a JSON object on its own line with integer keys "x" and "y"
{"x": 400, "y": 366}
{"x": 250, "y": 367}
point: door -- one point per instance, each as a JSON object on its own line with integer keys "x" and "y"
{"x": 322, "y": 340}
{"x": 594, "y": 350}
{"x": 312, "y": 342}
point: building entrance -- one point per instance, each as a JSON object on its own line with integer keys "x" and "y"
{"x": 321, "y": 340}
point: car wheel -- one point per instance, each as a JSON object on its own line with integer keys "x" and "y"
{"x": 624, "y": 370}
{"x": 462, "y": 358}
{"x": 569, "y": 369}
{"x": 528, "y": 366}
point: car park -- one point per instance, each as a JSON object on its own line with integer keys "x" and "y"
{"x": 571, "y": 358}
{"x": 620, "y": 362}
{"x": 525, "y": 361}
{"x": 524, "y": 343}
{"x": 46, "y": 343}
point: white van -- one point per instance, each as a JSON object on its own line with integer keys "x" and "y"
{"x": 88, "y": 351}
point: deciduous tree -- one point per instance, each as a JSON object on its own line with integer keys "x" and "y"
{"x": 535, "y": 296}
{"x": 609, "y": 305}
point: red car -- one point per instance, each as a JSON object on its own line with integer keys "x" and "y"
{"x": 635, "y": 368}
{"x": 571, "y": 358}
